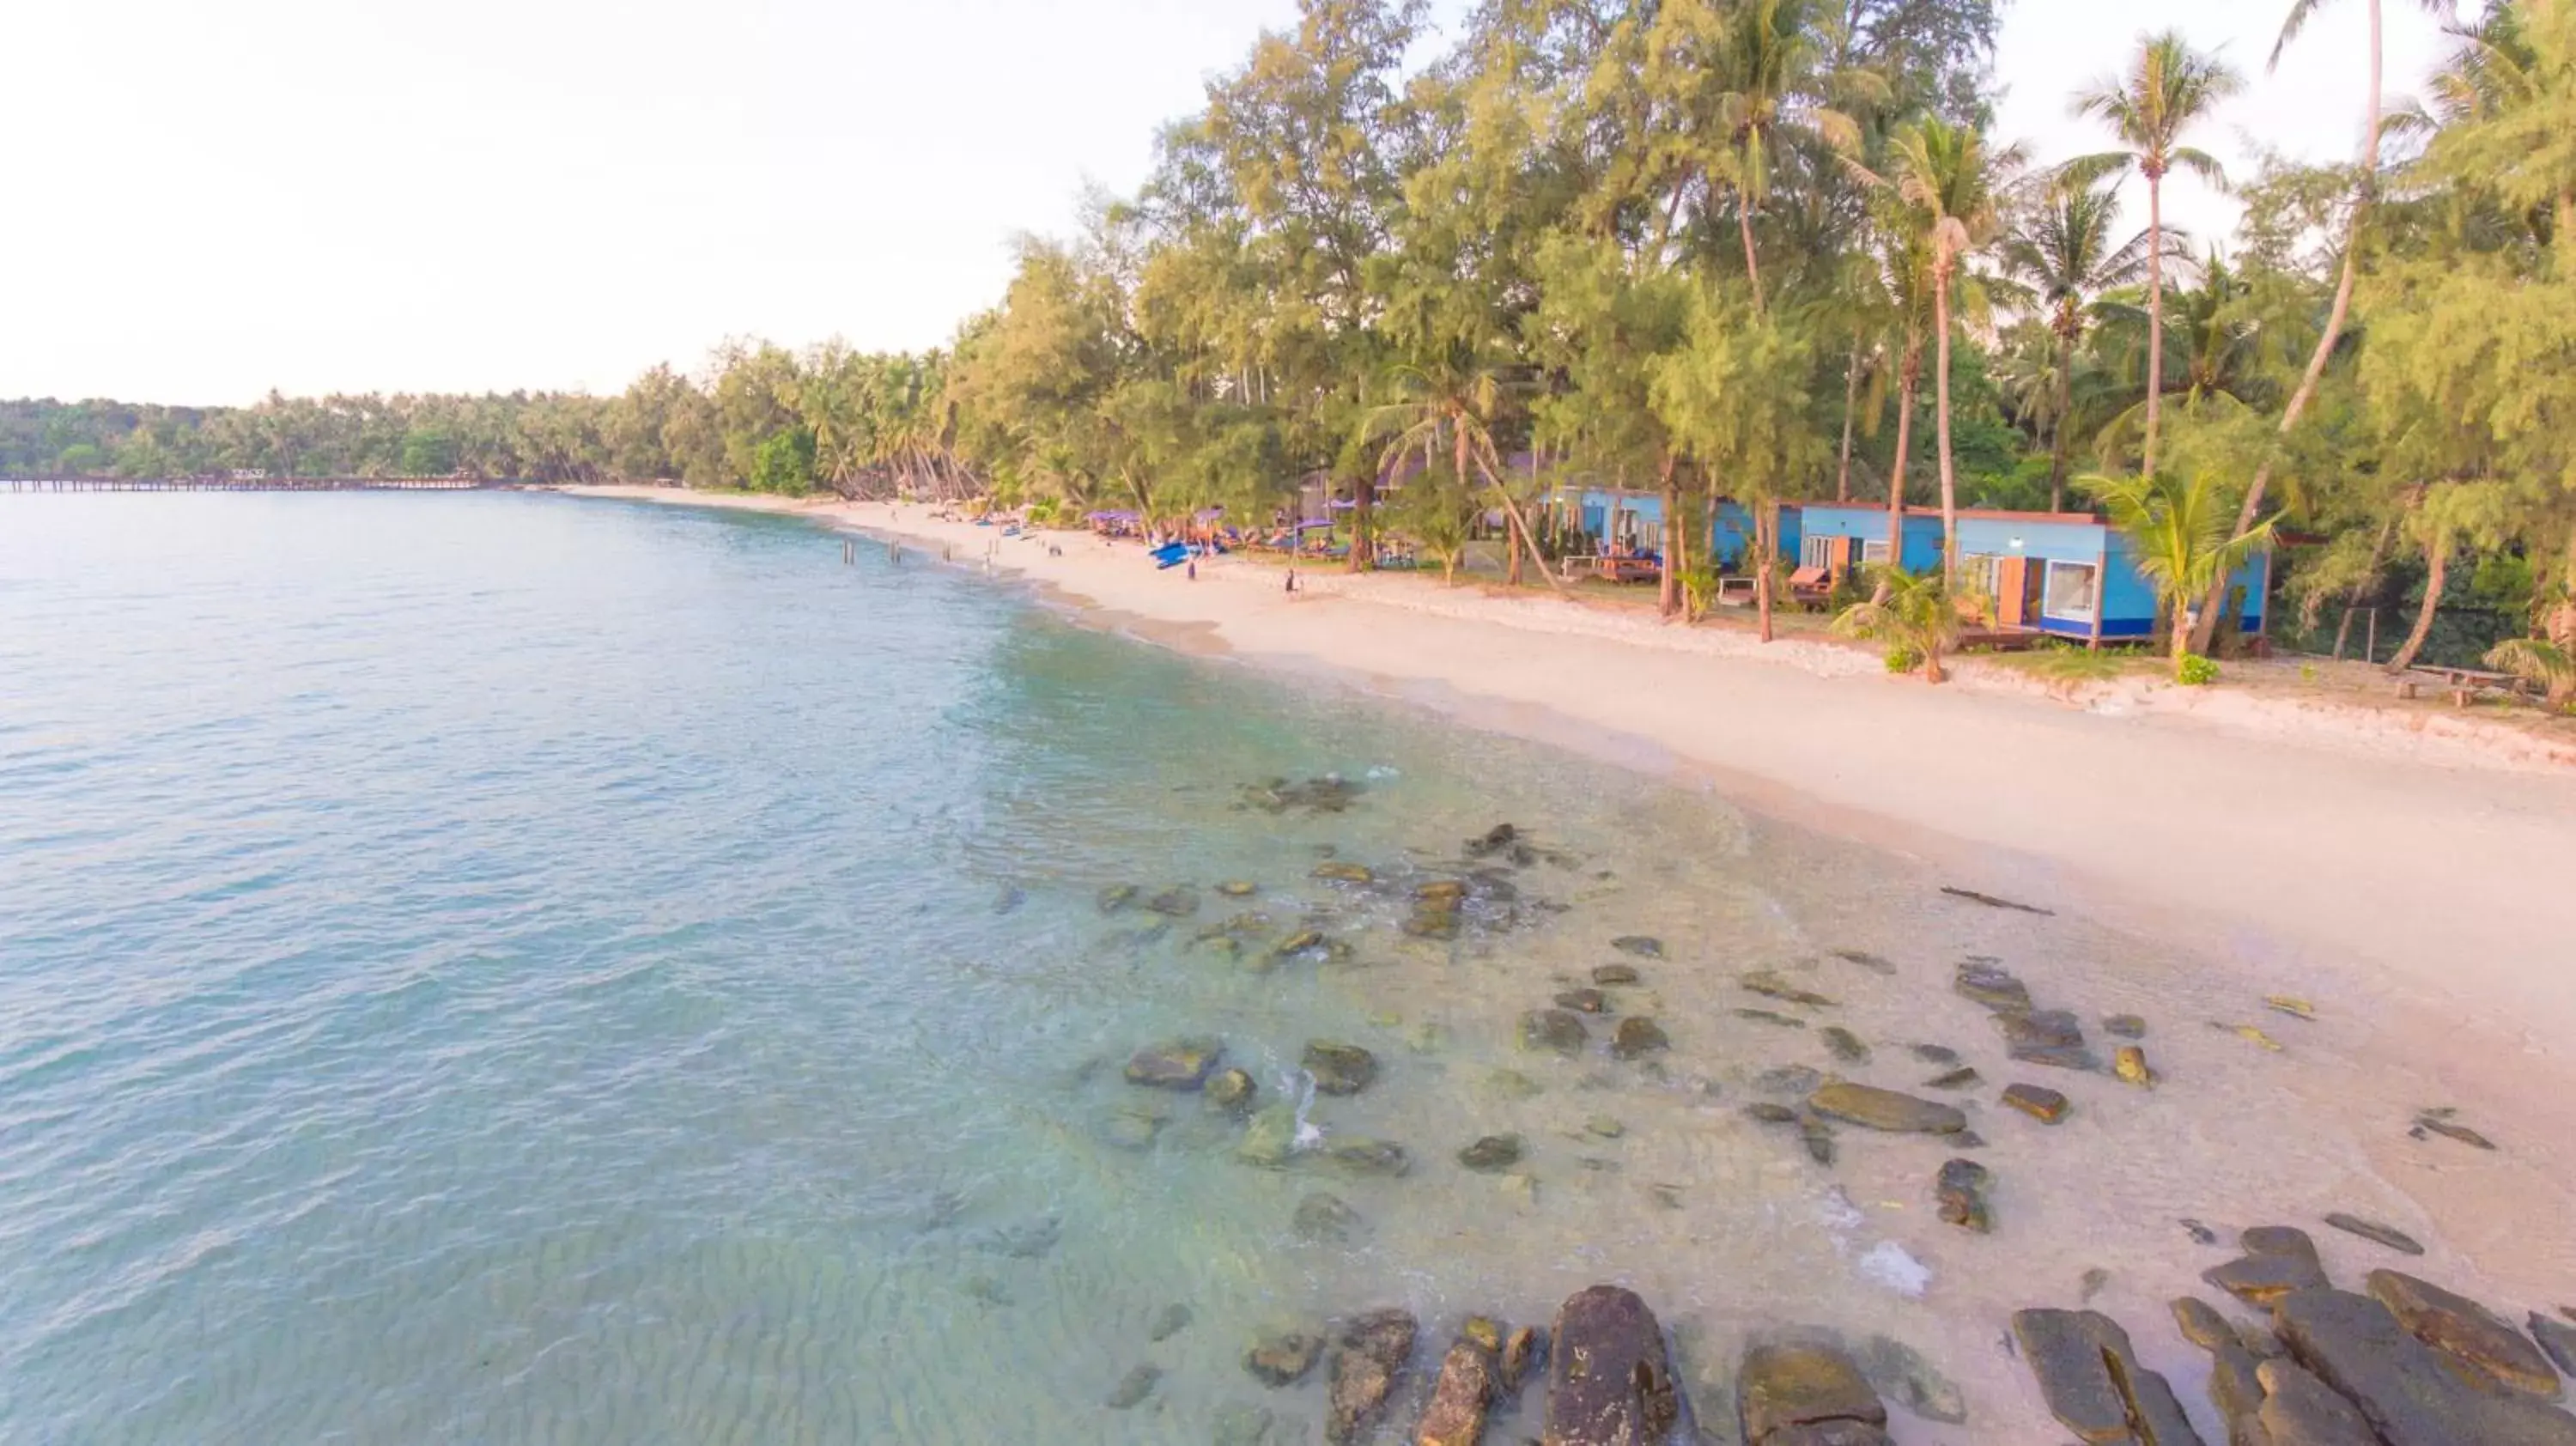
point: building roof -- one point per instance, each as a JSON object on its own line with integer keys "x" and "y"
{"x": 1986, "y": 514}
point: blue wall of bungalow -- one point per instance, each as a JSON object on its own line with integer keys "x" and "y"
{"x": 2049, "y": 560}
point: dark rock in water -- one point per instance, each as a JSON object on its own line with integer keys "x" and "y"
{"x": 1492, "y": 1154}
{"x": 1429, "y": 923}
{"x": 1638, "y": 1036}
{"x": 2372, "y": 1230}
{"x": 2261, "y": 1280}
{"x": 2090, "y": 1376}
{"x": 2557, "y": 1339}
{"x": 1965, "y": 1077}
{"x": 1134, "y": 1129}
{"x": 1304, "y": 941}
{"x": 1991, "y": 902}
{"x": 1640, "y": 945}
{"x": 2466, "y": 1331}
{"x": 2297, "y": 1409}
{"x": 1866, "y": 960}
{"x": 1009, "y": 899}
{"x": 1131, "y": 1391}
{"x": 1560, "y": 1030}
{"x": 1584, "y": 1001}
{"x": 1993, "y": 986}
{"x": 1170, "y": 1321}
{"x": 1782, "y": 1387}
{"x": 1177, "y": 902}
{"x": 1845, "y": 1045}
{"x": 1493, "y": 841}
{"x": 2407, "y": 1391}
{"x": 1967, "y": 1140}
{"x": 1819, "y": 1140}
{"x": 1326, "y": 1219}
{"x": 1485, "y": 1331}
{"x": 2047, "y": 1036}
{"x": 1609, "y": 1380}
{"x": 1770, "y": 1114}
{"x": 1615, "y": 974}
{"x": 1898, "y": 1372}
{"x": 1766, "y": 1016}
{"x": 1441, "y": 891}
{"x": 1342, "y": 871}
{"x": 2235, "y": 1383}
{"x": 1770, "y": 985}
{"x": 1117, "y": 897}
{"x": 1520, "y": 1352}
{"x": 2283, "y": 1240}
{"x": 1934, "y": 1053}
{"x": 1961, "y": 1191}
{"x": 1368, "y": 1157}
{"x": 1231, "y": 1089}
{"x": 1339, "y": 1069}
{"x": 1467, "y": 1385}
{"x": 2044, "y": 1105}
{"x": 2200, "y": 1234}
{"x": 1370, "y": 1356}
{"x": 1241, "y": 1425}
{"x": 2451, "y": 1130}
{"x": 1788, "y": 1079}
{"x": 1831, "y": 1433}
{"x": 1028, "y": 1241}
{"x": 1878, "y": 1109}
{"x": 2092, "y": 1285}
{"x": 1282, "y": 1358}
{"x": 2202, "y": 1325}
{"x": 2125, "y": 1026}
{"x": 1178, "y": 1064}
{"x": 1238, "y": 888}
{"x": 1270, "y": 1136}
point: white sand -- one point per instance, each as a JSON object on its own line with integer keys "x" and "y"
{"x": 2420, "y": 884}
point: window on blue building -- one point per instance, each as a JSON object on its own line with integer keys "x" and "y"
{"x": 2070, "y": 591}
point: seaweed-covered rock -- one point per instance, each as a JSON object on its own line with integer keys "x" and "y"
{"x": 2044, "y": 1105}
{"x": 1610, "y": 1379}
{"x": 1787, "y": 1386}
{"x": 1370, "y": 1356}
{"x": 1132, "y": 1390}
{"x": 1961, "y": 1193}
{"x": 1638, "y": 1036}
{"x": 1845, "y": 1045}
{"x": 1325, "y": 1218}
{"x": 1878, "y": 1109}
{"x": 1178, "y": 1064}
{"x": 1992, "y": 985}
{"x": 1269, "y": 1137}
{"x": 1615, "y": 974}
{"x": 1283, "y": 1357}
{"x": 1584, "y": 1001}
{"x": 1230, "y": 1089}
{"x": 1559, "y": 1030}
{"x": 2409, "y": 1392}
{"x": 2466, "y": 1331}
{"x": 1492, "y": 1154}
{"x": 2046, "y": 1036}
{"x": 1360, "y": 1156}
{"x": 1641, "y": 946}
{"x": 1339, "y": 1069}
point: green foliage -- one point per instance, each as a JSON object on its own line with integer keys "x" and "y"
{"x": 2539, "y": 662}
{"x": 1917, "y": 616}
{"x": 784, "y": 463}
{"x": 2181, "y": 533}
{"x": 2194, "y": 671}
{"x": 1901, "y": 659}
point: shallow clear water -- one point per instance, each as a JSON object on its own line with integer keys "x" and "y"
{"x": 503, "y": 968}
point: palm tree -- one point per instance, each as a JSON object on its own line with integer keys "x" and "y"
{"x": 2301, "y": 12}
{"x": 1453, "y": 405}
{"x": 1776, "y": 92}
{"x": 2064, "y": 252}
{"x": 1913, "y": 614}
{"x": 2169, "y": 88}
{"x": 2179, "y": 536}
{"x": 1948, "y": 182}
{"x": 1905, "y": 275}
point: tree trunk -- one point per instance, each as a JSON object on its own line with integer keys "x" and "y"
{"x": 2324, "y": 353}
{"x": 1851, "y": 405}
{"x": 1941, "y": 410}
{"x": 1909, "y": 371}
{"x": 2181, "y": 633}
{"x": 1766, "y": 527}
{"x": 1669, "y": 600}
{"x": 2155, "y": 311}
{"x": 2065, "y": 411}
{"x": 2437, "y": 566}
{"x": 2378, "y": 551}
{"x": 1752, "y": 268}
{"x": 1363, "y": 533}
{"x": 1520, "y": 528}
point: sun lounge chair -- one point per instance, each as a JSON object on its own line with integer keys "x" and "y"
{"x": 1811, "y": 585}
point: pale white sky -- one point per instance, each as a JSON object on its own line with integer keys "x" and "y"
{"x": 214, "y": 197}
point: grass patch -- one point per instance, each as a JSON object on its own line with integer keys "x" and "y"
{"x": 2062, "y": 663}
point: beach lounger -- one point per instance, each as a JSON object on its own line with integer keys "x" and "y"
{"x": 1811, "y": 585}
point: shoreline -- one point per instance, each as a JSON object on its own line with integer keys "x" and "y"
{"x": 2426, "y": 898}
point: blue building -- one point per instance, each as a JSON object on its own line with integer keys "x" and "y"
{"x": 2064, "y": 573}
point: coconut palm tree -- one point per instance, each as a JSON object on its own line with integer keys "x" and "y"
{"x": 1778, "y": 91}
{"x": 1448, "y": 406}
{"x": 2168, "y": 89}
{"x": 2179, "y": 537}
{"x": 2064, "y": 251}
{"x": 1948, "y": 183}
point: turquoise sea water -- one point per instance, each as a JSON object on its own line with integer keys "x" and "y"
{"x": 504, "y": 968}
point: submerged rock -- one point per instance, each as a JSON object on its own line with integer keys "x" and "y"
{"x": 1230, "y": 1089}
{"x": 1780, "y": 1389}
{"x": 2044, "y": 1105}
{"x": 1238, "y": 888}
{"x": 2124, "y": 1026}
{"x": 2297, "y": 1409}
{"x": 1325, "y": 1219}
{"x": 1361, "y": 1156}
{"x": 1241, "y": 1425}
{"x": 1492, "y": 841}
{"x": 1371, "y": 1355}
{"x": 1640, "y": 945}
{"x": 1961, "y": 1192}
{"x": 2047, "y": 1036}
{"x": 2557, "y": 1339}
{"x": 1283, "y": 1357}
{"x": 2451, "y": 1129}
{"x": 1170, "y": 1321}
{"x": 1338, "y": 1069}
{"x": 2202, "y": 1325}
{"x": 1456, "y": 1415}
{"x": 1270, "y": 1137}
{"x": 1965, "y": 1077}
{"x": 1878, "y": 1109}
{"x": 1766, "y": 1113}
{"x": 1584, "y": 1001}
{"x": 1492, "y": 1154}
{"x": 1900, "y": 1373}
{"x": 1178, "y": 902}
{"x": 2465, "y": 1331}
{"x": 1768, "y": 1016}
{"x": 1116, "y": 897}
{"x": 1610, "y": 1380}
{"x": 2406, "y": 1389}
{"x": 1845, "y": 1045}
{"x": 1992, "y": 985}
{"x": 2130, "y": 1063}
{"x": 1770, "y": 984}
{"x": 1342, "y": 871}
{"x": 2278, "y": 1260}
{"x": 1819, "y": 1140}
{"x": 1934, "y": 1053}
{"x": 1615, "y": 974}
{"x": 1521, "y": 1351}
{"x": 1512, "y": 1085}
{"x": 2371, "y": 1230}
{"x": 1865, "y": 959}
{"x": 2090, "y": 1377}
{"x": 1636, "y": 1037}
{"x": 1560, "y": 1030}
{"x": 1134, "y": 1388}
{"x": 1788, "y": 1079}
{"x": 1178, "y": 1064}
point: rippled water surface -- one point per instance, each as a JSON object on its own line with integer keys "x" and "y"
{"x": 502, "y": 968}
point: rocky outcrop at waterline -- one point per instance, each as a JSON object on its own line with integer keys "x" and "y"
{"x": 1610, "y": 1378}
{"x": 1367, "y": 1360}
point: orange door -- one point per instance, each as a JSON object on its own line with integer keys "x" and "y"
{"x": 1842, "y": 557}
{"x": 2008, "y": 591}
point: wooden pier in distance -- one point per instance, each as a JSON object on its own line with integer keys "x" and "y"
{"x": 251, "y": 484}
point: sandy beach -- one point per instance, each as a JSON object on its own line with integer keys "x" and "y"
{"x": 2411, "y": 881}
